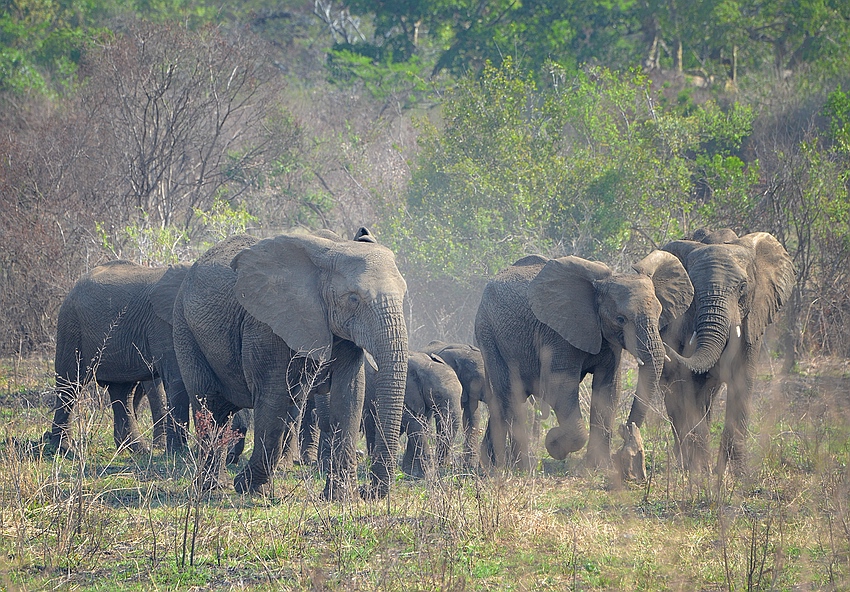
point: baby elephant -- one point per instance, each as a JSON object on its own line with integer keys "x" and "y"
{"x": 433, "y": 392}
{"x": 468, "y": 364}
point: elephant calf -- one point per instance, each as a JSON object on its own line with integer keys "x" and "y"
{"x": 432, "y": 393}
{"x": 468, "y": 364}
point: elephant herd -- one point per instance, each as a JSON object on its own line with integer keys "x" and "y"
{"x": 308, "y": 331}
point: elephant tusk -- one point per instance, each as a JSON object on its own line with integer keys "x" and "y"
{"x": 667, "y": 358}
{"x": 639, "y": 361}
{"x": 370, "y": 360}
{"x": 738, "y": 330}
{"x": 694, "y": 336}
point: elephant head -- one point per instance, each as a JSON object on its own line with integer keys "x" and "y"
{"x": 739, "y": 286}
{"x": 586, "y": 303}
{"x": 311, "y": 289}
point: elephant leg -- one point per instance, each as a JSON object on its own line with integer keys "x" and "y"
{"x": 471, "y": 418}
{"x": 158, "y": 406}
{"x": 126, "y": 429}
{"x": 309, "y": 433}
{"x": 291, "y": 438}
{"x": 274, "y": 418}
{"x": 66, "y": 397}
{"x": 417, "y": 453}
{"x": 239, "y": 425}
{"x": 739, "y": 389}
{"x": 444, "y": 433}
{"x": 177, "y": 425}
{"x": 570, "y": 435}
{"x": 687, "y": 399}
{"x": 345, "y": 411}
{"x": 214, "y": 434}
{"x": 506, "y": 416}
{"x": 603, "y": 401}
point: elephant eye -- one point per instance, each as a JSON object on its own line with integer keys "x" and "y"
{"x": 621, "y": 320}
{"x": 353, "y": 298}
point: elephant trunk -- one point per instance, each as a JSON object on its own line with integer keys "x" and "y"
{"x": 711, "y": 333}
{"x": 651, "y": 360}
{"x": 390, "y": 353}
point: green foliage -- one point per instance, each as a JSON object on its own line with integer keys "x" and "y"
{"x": 224, "y": 219}
{"x": 147, "y": 244}
{"x": 837, "y": 109}
{"x": 41, "y": 43}
{"x": 381, "y": 75}
{"x": 589, "y": 165}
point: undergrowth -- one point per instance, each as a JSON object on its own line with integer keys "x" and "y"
{"x": 100, "y": 519}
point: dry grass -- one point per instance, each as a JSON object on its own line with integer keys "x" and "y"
{"x": 103, "y": 520}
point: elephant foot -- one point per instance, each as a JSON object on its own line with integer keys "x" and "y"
{"x": 373, "y": 492}
{"x": 59, "y": 442}
{"x": 561, "y": 441}
{"x": 235, "y": 451}
{"x": 207, "y": 483}
{"x": 598, "y": 460}
{"x": 135, "y": 446}
{"x": 415, "y": 472}
{"x": 248, "y": 481}
{"x": 336, "y": 490}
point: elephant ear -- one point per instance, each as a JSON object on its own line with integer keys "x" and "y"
{"x": 774, "y": 276}
{"x": 681, "y": 249}
{"x": 563, "y": 296}
{"x": 673, "y": 287}
{"x": 164, "y": 292}
{"x": 438, "y": 359}
{"x": 279, "y": 283}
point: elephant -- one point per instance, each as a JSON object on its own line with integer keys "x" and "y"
{"x": 257, "y": 321}
{"x": 740, "y": 284}
{"x": 114, "y": 328}
{"x": 433, "y": 392}
{"x": 543, "y": 324}
{"x": 468, "y": 364}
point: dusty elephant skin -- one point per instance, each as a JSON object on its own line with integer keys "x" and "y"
{"x": 740, "y": 284}
{"x": 114, "y": 327}
{"x": 257, "y": 320}
{"x": 543, "y": 324}
{"x": 432, "y": 394}
{"x": 468, "y": 364}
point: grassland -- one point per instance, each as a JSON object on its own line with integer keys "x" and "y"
{"x": 102, "y": 520}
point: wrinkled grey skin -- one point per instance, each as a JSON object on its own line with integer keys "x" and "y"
{"x": 543, "y": 324}
{"x": 739, "y": 287}
{"x": 432, "y": 394}
{"x": 468, "y": 364}
{"x": 114, "y": 327}
{"x": 257, "y": 320}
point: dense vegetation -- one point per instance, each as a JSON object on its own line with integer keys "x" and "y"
{"x": 466, "y": 133}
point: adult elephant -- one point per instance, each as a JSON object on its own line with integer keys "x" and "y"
{"x": 543, "y": 324}
{"x": 740, "y": 284}
{"x": 432, "y": 394}
{"x": 468, "y": 364}
{"x": 257, "y": 320}
{"x": 114, "y": 328}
